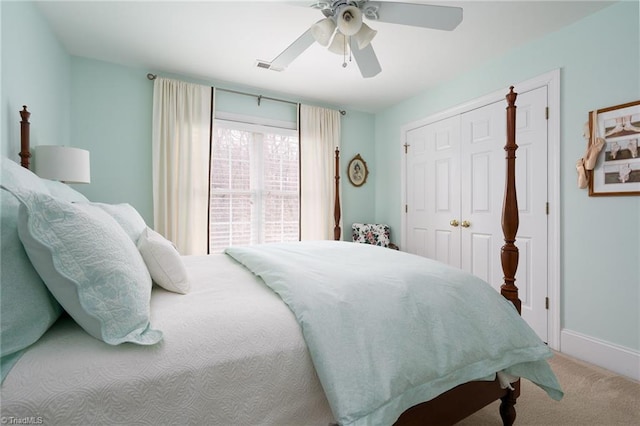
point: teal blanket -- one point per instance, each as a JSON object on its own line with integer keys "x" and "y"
{"x": 387, "y": 330}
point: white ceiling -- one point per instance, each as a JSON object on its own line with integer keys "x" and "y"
{"x": 221, "y": 41}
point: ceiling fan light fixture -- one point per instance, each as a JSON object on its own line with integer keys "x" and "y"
{"x": 339, "y": 44}
{"x": 323, "y": 30}
{"x": 343, "y": 31}
{"x": 349, "y": 20}
{"x": 364, "y": 36}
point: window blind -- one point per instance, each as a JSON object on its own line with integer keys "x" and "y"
{"x": 254, "y": 185}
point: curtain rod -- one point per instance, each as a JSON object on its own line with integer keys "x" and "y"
{"x": 259, "y": 97}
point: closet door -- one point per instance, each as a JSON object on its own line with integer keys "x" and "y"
{"x": 433, "y": 191}
{"x": 532, "y": 186}
{"x": 482, "y": 176}
{"x": 482, "y": 168}
{"x": 455, "y": 174}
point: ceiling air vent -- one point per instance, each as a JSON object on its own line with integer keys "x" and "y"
{"x": 267, "y": 66}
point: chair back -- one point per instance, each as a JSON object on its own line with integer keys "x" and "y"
{"x": 371, "y": 233}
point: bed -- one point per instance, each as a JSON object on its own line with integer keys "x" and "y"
{"x": 278, "y": 334}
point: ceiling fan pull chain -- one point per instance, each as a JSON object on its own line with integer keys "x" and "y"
{"x": 344, "y": 53}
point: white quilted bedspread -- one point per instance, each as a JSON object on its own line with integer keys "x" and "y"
{"x": 232, "y": 354}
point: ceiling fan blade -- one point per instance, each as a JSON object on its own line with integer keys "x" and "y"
{"x": 417, "y": 15}
{"x": 367, "y": 61}
{"x": 294, "y": 50}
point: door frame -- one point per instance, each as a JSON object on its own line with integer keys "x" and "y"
{"x": 551, "y": 80}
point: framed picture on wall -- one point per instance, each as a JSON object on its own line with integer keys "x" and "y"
{"x": 617, "y": 170}
{"x": 357, "y": 171}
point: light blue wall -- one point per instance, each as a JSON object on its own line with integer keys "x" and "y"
{"x": 248, "y": 105}
{"x": 35, "y": 72}
{"x": 111, "y": 117}
{"x": 599, "y": 60}
{"x": 111, "y": 110}
{"x": 358, "y": 137}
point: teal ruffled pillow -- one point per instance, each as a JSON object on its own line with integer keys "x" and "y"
{"x": 27, "y": 308}
{"x": 90, "y": 265}
{"x": 15, "y": 176}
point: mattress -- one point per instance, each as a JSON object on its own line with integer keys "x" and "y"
{"x": 232, "y": 354}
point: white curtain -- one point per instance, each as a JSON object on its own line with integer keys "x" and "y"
{"x": 180, "y": 155}
{"x": 319, "y": 137}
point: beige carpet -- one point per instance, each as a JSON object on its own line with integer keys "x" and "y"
{"x": 592, "y": 396}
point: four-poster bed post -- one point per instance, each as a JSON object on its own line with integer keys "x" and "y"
{"x": 509, "y": 253}
{"x": 336, "y": 206}
{"x": 464, "y": 400}
{"x": 510, "y": 219}
{"x": 25, "y": 152}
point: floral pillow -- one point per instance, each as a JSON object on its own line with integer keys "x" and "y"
{"x": 368, "y": 233}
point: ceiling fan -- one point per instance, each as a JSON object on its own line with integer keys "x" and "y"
{"x": 343, "y": 31}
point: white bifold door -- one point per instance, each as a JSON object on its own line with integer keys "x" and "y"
{"x": 455, "y": 177}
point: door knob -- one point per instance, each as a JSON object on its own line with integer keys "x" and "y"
{"x": 466, "y": 224}
{"x": 454, "y": 223}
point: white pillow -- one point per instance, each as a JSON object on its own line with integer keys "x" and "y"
{"x": 127, "y": 217}
{"x": 164, "y": 262}
{"x": 90, "y": 265}
{"x": 14, "y": 176}
{"x": 64, "y": 191}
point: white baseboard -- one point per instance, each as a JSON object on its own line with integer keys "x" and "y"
{"x": 607, "y": 355}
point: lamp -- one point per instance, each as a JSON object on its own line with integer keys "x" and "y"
{"x": 364, "y": 36}
{"x": 323, "y": 30}
{"x": 63, "y": 163}
{"x": 339, "y": 44}
{"x": 349, "y": 20}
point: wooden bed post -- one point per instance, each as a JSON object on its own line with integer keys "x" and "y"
{"x": 460, "y": 402}
{"x": 25, "y": 153}
{"x": 509, "y": 253}
{"x": 510, "y": 220}
{"x": 336, "y": 207}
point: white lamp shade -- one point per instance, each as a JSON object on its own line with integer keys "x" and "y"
{"x": 349, "y": 20}
{"x": 323, "y": 30}
{"x": 364, "y": 36}
{"x": 63, "y": 163}
{"x": 339, "y": 44}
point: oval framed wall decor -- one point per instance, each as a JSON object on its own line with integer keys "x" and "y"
{"x": 357, "y": 171}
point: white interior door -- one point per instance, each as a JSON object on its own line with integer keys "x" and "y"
{"x": 531, "y": 187}
{"x": 433, "y": 191}
{"x": 482, "y": 175}
{"x": 455, "y": 171}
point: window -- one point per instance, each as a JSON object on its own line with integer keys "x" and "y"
{"x": 254, "y": 185}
